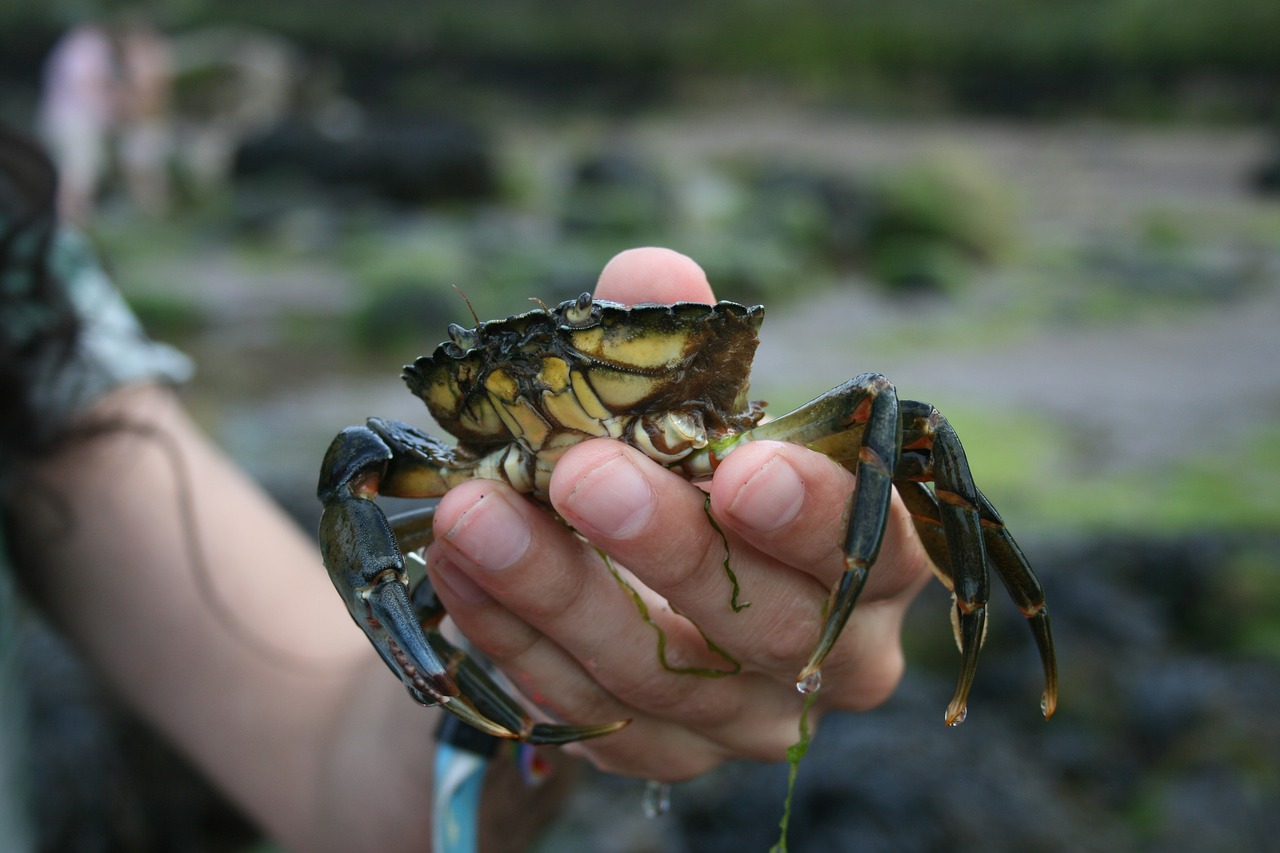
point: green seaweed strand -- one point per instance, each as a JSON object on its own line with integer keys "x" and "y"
{"x": 705, "y": 672}
{"x": 795, "y": 753}
{"x": 737, "y": 606}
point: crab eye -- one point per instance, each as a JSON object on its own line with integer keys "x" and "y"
{"x": 463, "y": 338}
{"x": 580, "y": 311}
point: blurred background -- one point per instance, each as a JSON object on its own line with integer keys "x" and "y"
{"x": 1057, "y": 221}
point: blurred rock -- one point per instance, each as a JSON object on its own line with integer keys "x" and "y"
{"x": 1265, "y": 179}
{"x": 617, "y": 194}
{"x": 409, "y": 162}
{"x": 1162, "y": 742}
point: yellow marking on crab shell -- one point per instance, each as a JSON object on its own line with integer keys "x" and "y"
{"x": 514, "y": 410}
{"x": 541, "y": 482}
{"x": 554, "y": 374}
{"x": 425, "y": 481}
{"x": 588, "y": 340}
{"x": 619, "y": 390}
{"x": 568, "y": 412}
{"x": 443, "y": 396}
{"x": 488, "y": 468}
{"x": 533, "y": 426}
{"x": 617, "y": 426}
{"x": 560, "y": 402}
{"x": 686, "y": 428}
{"x": 483, "y": 418}
{"x": 641, "y": 439}
{"x": 500, "y": 384}
{"x": 507, "y": 465}
{"x": 522, "y": 421}
{"x": 505, "y": 414}
{"x": 646, "y": 351}
{"x": 625, "y": 346}
{"x": 586, "y": 397}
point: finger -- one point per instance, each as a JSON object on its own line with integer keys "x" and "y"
{"x": 653, "y": 275}
{"x": 520, "y": 555}
{"x": 790, "y": 502}
{"x": 559, "y": 587}
{"x": 654, "y": 522}
{"x": 668, "y": 542}
{"x": 652, "y": 746}
{"x": 557, "y": 683}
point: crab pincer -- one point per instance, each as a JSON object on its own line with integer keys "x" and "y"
{"x": 360, "y": 551}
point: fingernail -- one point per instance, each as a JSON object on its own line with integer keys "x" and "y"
{"x": 770, "y": 498}
{"x": 457, "y": 583}
{"x": 614, "y": 499}
{"x": 490, "y": 533}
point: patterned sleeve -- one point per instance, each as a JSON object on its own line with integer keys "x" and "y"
{"x": 111, "y": 351}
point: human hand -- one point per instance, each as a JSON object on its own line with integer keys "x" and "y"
{"x": 539, "y": 602}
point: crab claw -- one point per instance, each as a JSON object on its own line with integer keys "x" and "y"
{"x": 372, "y": 582}
{"x": 360, "y": 551}
{"x": 391, "y": 624}
{"x": 483, "y": 698}
{"x": 434, "y": 671}
{"x": 366, "y": 567}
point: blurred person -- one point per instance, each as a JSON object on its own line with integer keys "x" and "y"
{"x": 145, "y": 124}
{"x": 106, "y": 97}
{"x": 109, "y": 490}
{"x": 240, "y": 82}
{"x": 77, "y": 115}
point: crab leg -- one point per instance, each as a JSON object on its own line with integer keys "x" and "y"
{"x": 360, "y": 551}
{"x": 927, "y": 520}
{"x": 1002, "y": 552}
{"x": 862, "y": 425}
{"x": 962, "y": 523}
{"x": 1005, "y": 557}
{"x": 864, "y": 409}
{"x": 1023, "y": 586}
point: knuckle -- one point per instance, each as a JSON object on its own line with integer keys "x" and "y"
{"x": 507, "y": 645}
{"x": 696, "y": 560}
{"x": 879, "y": 680}
{"x": 655, "y": 690}
{"x": 867, "y": 679}
{"x": 771, "y": 744}
{"x": 677, "y": 762}
{"x": 786, "y": 643}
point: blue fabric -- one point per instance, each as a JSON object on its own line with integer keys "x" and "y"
{"x": 455, "y": 817}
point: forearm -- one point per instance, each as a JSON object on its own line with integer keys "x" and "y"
{"x": 212, "y": 615}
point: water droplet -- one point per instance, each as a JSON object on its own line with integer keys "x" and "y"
{"x": 964, "y": 712}
{"x": 657, "y": 799}
{"x": 811, "y": 683}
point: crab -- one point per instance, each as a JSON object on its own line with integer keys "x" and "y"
{"x": 670, "y": 380}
